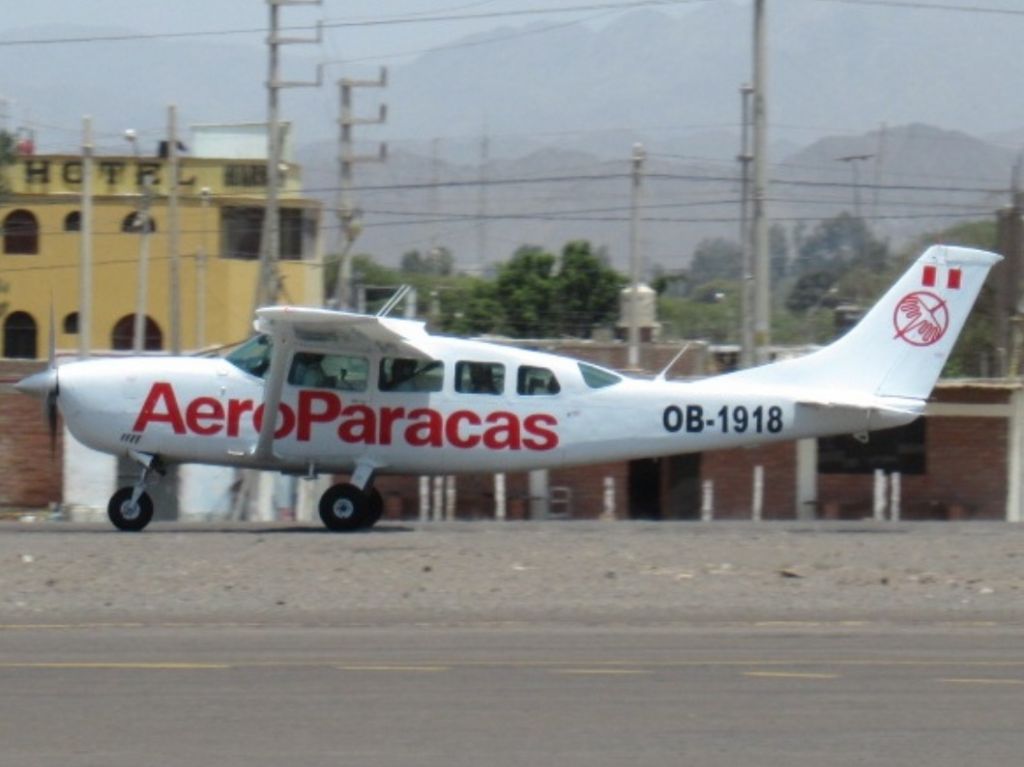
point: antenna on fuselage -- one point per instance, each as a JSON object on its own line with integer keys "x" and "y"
{"x": 668, "y": 367}
{"x": 392, "y": 302}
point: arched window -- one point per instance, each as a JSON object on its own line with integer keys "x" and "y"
{"x": 133, "y": 223}
{"x": 20, "y": 336}
{"x": 21, "y": 233}
{"x": 124, "y": 329}
{"x": 73, "y": 221}
{"x": 70, "y": 323}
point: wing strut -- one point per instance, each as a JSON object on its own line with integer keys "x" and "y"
{"x": 274, "y": 384}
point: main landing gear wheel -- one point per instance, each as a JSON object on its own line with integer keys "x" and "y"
{"x": 127, "y": 515}
{"x": 345, "y": 508}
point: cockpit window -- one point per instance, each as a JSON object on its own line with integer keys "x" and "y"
{"x": 598, "y": 378}
{"x": 252, "y": 357}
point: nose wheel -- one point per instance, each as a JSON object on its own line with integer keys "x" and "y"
{"x": 130, "y": 513}
{"x": 345, "y": 507}
{"x": 131, "y": 508}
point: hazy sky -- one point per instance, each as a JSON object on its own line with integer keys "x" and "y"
{"x": 378, "y": 40}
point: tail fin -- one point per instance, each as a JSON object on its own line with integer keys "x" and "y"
{"x": 901, "y": 345}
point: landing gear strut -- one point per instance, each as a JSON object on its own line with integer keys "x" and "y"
{"x": 131, "y": 508}
{"x": 346, "y": 507}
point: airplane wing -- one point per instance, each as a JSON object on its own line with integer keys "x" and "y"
{"x": 354, "y": 332}
{"x": 289, "y": 326}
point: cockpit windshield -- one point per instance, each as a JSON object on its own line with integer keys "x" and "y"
{"x": 252, "y": 357}
{"x": 598, "y": 378}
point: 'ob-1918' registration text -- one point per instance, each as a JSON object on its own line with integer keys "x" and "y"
{"x": 738, "y": 419}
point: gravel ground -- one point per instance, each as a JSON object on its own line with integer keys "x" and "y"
{"x": 485, "y": 572}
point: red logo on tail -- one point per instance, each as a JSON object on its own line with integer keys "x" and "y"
{"x": 921, "y": 318}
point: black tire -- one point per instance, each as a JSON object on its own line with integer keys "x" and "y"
{"x": 344, "y": 508}
{"x": 376, "y": 507}
{"x": 124, "y": 516}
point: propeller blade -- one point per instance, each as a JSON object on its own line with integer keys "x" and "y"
{"x": 53, "y": 336}
{"x": 51, "y": 418}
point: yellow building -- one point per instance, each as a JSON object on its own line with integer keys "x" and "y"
{"x": 220, "y": 214}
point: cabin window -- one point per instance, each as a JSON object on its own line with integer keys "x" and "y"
{"x": 411, "y": 375}
{"x": 253, "y": 357}
{"x": 329, "y": 371}
{"x": 598, "y": 378}
{"x": 536, "y": 381}
{"x": 479, "y": 377}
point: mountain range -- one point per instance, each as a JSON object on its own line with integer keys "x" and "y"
{"x": 568, "y": 100}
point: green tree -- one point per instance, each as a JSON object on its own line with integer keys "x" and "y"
{"x": 526, "y": 290}
{"x": 587, "y": 290}
{"x": 438, "y": 262}
{"x": 813, "y": 290}
{"x": 838, "y": 243}
{"x": 470, "y": 306}
{"x": 536, "y": 295}
{"x": 716, "y": 259}
{"x": 778, "y": 252}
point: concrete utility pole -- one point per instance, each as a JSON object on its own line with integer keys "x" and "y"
{"x": 144, "y": 225}
{"x": 85, "y": 244}
{"x": 759, "y": 230}
{"x": 269, "y": 284}
{"x": 348, "y": 216}
{"x": 204, "y": 201}
{"x": 854, "y": 160}
{"x": 746, "y": 259}
{"x": 635, "y": 257}
{"x": 173, "y": 229}
{"x": 1008, "y": 278}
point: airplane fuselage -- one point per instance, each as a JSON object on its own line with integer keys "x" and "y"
{"x": 210, "y": 411}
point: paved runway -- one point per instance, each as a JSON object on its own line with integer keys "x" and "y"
{"x": 500, "y": 645}
{"x": 763, "y": 694}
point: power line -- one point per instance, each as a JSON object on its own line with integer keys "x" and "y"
{"x": 348, "y": 24}
{"x": 923, "y": 6}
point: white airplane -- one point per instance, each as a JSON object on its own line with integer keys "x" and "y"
{"x": 371, "y": 395}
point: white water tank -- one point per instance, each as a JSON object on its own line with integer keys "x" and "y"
{"x": 646, "y": 307}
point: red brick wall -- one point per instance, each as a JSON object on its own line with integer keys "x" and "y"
{"x": 30, "y": 477}
{"x": 475, "y": 493}
{"x": 732, "y": 472}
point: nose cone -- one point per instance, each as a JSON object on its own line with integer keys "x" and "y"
{"x": 38, "y": 384}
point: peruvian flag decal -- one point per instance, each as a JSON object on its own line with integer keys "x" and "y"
{"x": 930, "y": 277}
